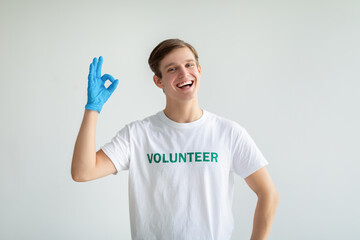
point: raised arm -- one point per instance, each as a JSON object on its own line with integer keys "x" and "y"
{"x": 87, "y": 164}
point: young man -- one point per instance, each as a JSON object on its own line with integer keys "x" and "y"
{"x": 181, "y": 160}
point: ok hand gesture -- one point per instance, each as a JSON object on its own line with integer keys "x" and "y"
{"x": 97, "y": 93}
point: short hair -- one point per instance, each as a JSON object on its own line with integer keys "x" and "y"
{"x": 164, "y": 48}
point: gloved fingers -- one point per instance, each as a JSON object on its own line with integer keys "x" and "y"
{"x": 113, "y": 86}
{"x": 91, "y": 74}
{"x": 92, "y": 67}
{"x": 94, "y": 62}
{"x": 107, "y": 77}
{"x": 99, "y": 66}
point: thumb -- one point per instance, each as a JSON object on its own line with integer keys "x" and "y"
{"x": 107, "y": 77}
{"x": 113, "y": 86}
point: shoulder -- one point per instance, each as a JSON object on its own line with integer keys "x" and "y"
{"x": 146, "y": 122}
{"x": 224, "y": 122}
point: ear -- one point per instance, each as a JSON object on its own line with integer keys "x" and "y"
{"x": 199, "y": 69}
{"x": 157, "y": 81}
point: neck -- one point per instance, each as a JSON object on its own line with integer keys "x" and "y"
{"x": 183, "y": 112}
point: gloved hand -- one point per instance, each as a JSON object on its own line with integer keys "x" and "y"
{"x": 97, "y": 93}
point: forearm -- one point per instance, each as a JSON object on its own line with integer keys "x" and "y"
{"x": 264, "y": 216}
{"x": 84, "y": 157}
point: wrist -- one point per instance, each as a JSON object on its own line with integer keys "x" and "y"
{"x": 93, "y": 107}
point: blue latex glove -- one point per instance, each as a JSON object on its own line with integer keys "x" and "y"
{"x": 97, "y": 93}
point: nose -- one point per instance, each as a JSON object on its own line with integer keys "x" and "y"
{"x": 182, "y": 72}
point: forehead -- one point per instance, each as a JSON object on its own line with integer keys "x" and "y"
{"x": 177, "y": 56}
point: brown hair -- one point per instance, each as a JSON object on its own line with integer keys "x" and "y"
{"x": 164, "y": 48}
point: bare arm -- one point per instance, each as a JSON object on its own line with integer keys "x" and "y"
{"x": 260, "y": 182}
{"x": 87, "y": 164}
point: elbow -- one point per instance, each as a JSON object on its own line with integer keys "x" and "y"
{"x": 271, "y": 197}
{"x": 78, "y": 174}
{"x": 276, "y": 197}
{"x": 77, "y": 177}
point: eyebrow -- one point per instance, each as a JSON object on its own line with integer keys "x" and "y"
{"x": 168, "y": 65}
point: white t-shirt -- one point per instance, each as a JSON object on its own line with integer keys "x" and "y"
{"x": 181, "y": 174}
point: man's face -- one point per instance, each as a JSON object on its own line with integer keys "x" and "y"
{"x": 180, "y": 75}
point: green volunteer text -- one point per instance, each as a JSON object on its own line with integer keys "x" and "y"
{"x": 182, "y": 157}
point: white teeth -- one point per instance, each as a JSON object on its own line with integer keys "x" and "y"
{"x": 184, "y": 83}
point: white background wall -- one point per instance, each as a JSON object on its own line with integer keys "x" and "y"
{"x": 288, "y": 71}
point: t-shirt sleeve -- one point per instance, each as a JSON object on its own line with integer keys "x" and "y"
{"x": 118, "y": 149}
{"x": 246, "y": 156}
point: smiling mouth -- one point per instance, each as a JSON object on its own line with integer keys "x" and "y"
{"x": 185, "y": 84}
